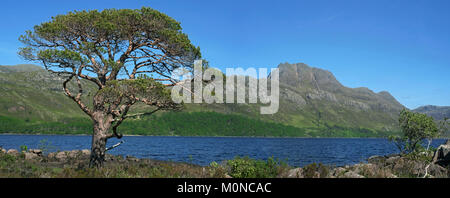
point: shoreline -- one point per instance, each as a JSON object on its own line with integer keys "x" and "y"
{"x": 68, "y": 164}
{"x": 268, "y": 137}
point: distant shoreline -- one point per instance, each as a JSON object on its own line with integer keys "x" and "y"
{"x": 204, "y": 136}
{"x": 37, "y": 134}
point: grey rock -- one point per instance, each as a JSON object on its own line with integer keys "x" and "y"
{"x": 86, "y": 152}
{"x": 295, "y": 173}
{"x": 392, "y": 160}
{"x": 437, "y": 171}
{"x": 31, "y": 156}
{"x": 442, "y": 154}
{"x": 293, "y": 97}
{"x": 51, "y": 155}
{"x": 36, "y": 151}
{"x": 61, "y": 156}
{"x": 12, "y": 152}
{"x": 392, "y": 155}
{"x": 73, "y": 153}
{"x": 351, "y": 174}
{"x": 376, "y": 159}
{"x": 132, "y": 159}
{"x": 338, "y": 172}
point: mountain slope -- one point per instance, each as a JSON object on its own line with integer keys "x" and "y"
{"x": 317, "y": 92}
{"x": 311, "y": 100}
{"x": 437, "y": 112}
{"x": 31, "y": 93}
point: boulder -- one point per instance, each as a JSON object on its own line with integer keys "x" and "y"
{"x": 61, "y": 156}
{"x": 351, "y": 174}
{"x": 31, "y": 156}
{"x": 338, "y": 172}
{"x": 132, "y": 159}
{"x": 295, "y": 173}
{"x": 364, "y": 168}
{"x": 392, "y": 160}
{"x": 376, "y": 159}
{"x": 51, "y": 155}
{"x": 36, "y": 151}
{"x": 390, "y": 175}
{"x": 12, "y": 152}
{"x": 86, "y": 152}
{"x": 2, "y": 150}
{"x": 442, "y": 154}
{"x": 73, "y": 153}
{"x": 437, "y": 171}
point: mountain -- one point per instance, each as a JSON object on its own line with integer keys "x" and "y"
{"x": 437, "y": 112}
{"x": 313, "y": 98}
{"x": 31, "y": 93}
{"x": 312, "y": 102}
{"x": 315, "y": 92}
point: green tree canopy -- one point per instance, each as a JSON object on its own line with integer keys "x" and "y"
{"x": 129, "y": 54}
{"x": 416, "y": 127}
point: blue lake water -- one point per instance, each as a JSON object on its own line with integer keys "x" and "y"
{"x": 204, "y": 150}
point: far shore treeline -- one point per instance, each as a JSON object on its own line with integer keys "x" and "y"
{"x": 185, "y": 124}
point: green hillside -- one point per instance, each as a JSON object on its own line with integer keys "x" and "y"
{"x": 312, "y": 103}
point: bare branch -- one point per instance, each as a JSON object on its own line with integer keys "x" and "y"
{"x": 76, "y": 99}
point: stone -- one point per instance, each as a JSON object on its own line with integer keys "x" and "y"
{"x": 392, "y": 155}
{"x": 132, "y": 159}
{"x": 61, "y": 156}
{"x": 2, "y": 150}
{"x": 36, "y": 151}
{"x": 437, "y": 171}
{"x": 51, "y": 155}
{"x": 390, "y": 175}
{"x": 295, "y": 173}
{"x": 338, "y": 172}
{"x": 31, "y": 156}
{"x": 12, "y": 152}
{"x": 86, "y": 152}
{"x": 442, "y": 154}
{"x": 376, "y": 159}
{"x": 351, "y": 174}
{"x": 392, "y": 160}
{"x": 73, "y": 153}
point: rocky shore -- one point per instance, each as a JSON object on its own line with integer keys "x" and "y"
{"x": 34, "y": 163}
{"x": 423, "y": 165}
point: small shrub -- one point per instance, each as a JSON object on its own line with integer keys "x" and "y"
{"x": 216, "y": 170}
{"x": 23, "y": 148}
{"x": 311, "y": 170}
{"x": 250, "y": 168}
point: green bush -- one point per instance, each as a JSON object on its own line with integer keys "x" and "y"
{"x": 311, "y": 170}
{"x": 250, "y": 168}
{"x": 416, "y": 128}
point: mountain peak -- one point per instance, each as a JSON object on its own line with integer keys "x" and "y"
{"x": 301, "y": 74}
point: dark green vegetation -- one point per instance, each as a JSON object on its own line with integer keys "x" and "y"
{"x": 184, "y": 124}
{"x": 312, "y": 104}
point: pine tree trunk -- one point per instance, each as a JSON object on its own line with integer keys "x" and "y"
{"x": 99, "y": 139}
{"x": 98, "y": 150}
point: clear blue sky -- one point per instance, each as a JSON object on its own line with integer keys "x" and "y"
{"x": 399, "y": 46}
